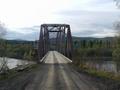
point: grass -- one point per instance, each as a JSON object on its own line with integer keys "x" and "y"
{"x": 81, "y": 66}
{"x": 8, "y": 75}
{"x": 12, "y": 73}
{"x": 98, "y": 73}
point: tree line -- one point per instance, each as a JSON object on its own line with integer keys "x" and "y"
{"x": 19, "y": 50}
{"x": 93, "y": 48}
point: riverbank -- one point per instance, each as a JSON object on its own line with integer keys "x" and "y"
{"x": 16, "y": 71}
{"x": 13, "y": 63}
{"x": 37, "y": 75}
{"x": 109, "y": 80}
{"x": 18, "y": 79}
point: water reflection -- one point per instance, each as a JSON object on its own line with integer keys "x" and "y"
{"x": 12, "y": 63}
{"x": 103, "y": 65}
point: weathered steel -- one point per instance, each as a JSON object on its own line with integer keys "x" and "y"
{"x": 63, "y": 39}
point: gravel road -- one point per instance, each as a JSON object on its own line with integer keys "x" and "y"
{"x": 56, "y": 74}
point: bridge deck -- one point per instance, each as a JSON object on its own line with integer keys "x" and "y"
{"x": 56, "y": 74}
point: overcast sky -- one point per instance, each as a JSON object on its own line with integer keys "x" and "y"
{"x": 88, "y": 18}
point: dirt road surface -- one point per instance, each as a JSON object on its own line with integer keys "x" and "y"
{"x": 56, "y": 74}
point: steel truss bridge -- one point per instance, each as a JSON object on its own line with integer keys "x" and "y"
{"x": 55, "y": 37}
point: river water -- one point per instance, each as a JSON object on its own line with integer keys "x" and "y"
{"x": 100, "y": 65}
{"x": 12, "y": 63}
{"x": 103, "y": 65}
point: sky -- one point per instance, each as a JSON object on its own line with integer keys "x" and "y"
{"x": 87, "y": 18}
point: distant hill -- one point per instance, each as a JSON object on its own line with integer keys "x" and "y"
{"x": 92, "y": 38}
{"x": 18, "y": 41}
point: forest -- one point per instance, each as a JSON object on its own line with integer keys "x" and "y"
{"x": 92, "y": 48}
{"x": 83, "y": 47}
{"x": 24, "y": 50}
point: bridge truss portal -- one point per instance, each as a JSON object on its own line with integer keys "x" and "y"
{"x": 55, "y": 37}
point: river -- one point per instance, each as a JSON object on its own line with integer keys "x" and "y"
{"x": 100, "y": 65}
{"x": 107, "y": 65}
{"x": 12, "y": 63}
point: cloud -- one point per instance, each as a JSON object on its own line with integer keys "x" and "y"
{"x": 96, "y": 33}
{"x": 20, "y": 36}
{"x": 86, "y": 17}
{"x": 83, "y": 24}
{"x": 92, "y": 21}
{"x": 24, "y": 33}
{"x": 3, "y": 30}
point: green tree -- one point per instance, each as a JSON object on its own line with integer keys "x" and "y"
{"x": 84, "y": 43}
{"x": 90, "y": 44}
